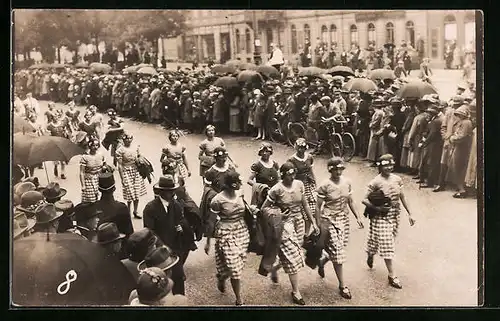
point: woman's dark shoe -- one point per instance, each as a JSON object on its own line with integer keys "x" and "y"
{"x": 416, "y": 177}
{"x": 321, "y": 268}
{"x": 221, "y": 285}
{"x": 63, "y": 176}
{"x": 137, "y": 216}
{"x": 297, "y": 300}
{"x": 438, "y": 188}
{"x": 395, "y": 283}
{"x": 238, "y": 303}
{"x": 426, "y": 186}
{"x": 460, "y": 195}
{"x": 369, "y": 261}
{"x": 274, "y": 276}
{"x": 56, "y": 172}
{"x": 345, "y": 293}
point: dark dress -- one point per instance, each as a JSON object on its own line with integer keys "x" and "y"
{"x": 306, "y": 176}
{"x": 265, "y": 175}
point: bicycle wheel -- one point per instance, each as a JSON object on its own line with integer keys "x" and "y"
{"x": 311, "y": 136}
{"x": 349, "y": 144}
{"x": 274, "y": 131}
{"x": 336, "y": 146}
{"x": 295, "y": 130}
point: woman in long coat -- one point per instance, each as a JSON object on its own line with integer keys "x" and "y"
{"x": 375, "y": 127}
{"x": 410, "y": 111}
{"x": 471, "y": 174}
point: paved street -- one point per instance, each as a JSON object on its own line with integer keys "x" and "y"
{"x": 436, "y": 259}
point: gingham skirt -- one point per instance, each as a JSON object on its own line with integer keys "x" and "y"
{"x": 182, "y": 169}
{"x": 309, "y": 192}
{"x": 338, "y": 238}
{"x": 382, "y": 234}
{"x": 133, "y": 184}
{"x": 290, "y": 254}
{"x": 90, "y": 190}
{"x": 231, "y": 246}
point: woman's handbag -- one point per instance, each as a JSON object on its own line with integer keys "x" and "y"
{"x": 378, "y": 199}
{"x": 256, "y": 244}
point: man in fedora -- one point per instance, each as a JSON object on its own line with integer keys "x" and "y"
{"x": 112, "y": 210}
{"x": 53, "y": 192}
{"x": 87, "y": 220}
{"x": 47, "y": 218}
{"x": 22, "y": 226}
{"x": 110, "y": 238}
{"x": 432, "y": 147}
{"x": 172, "y": 221}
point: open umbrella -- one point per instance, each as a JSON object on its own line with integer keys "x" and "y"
{"x": 67, "y": 270}
{"x": 234, "y": 63}
{"x": 226, "y": 82}
{"x": 361, "y": 84}
{"x": 310, "y": 71}
{"x": 57, "y": 66}
{"x": 143, "y": 65}
{"x": 223, "y": 69}
{"x": 326, "y": 77}
{"x": 337, "y": 78}
{"x": 382, "y": 74}
{"x": 40, "y": 66}
{"x": 21, "y": 125}
{"x": 83, "y": 65}
{"x": 341, "y": 70}
{"x": 248, "y": 66}
{"x": 130, "y": 70}
{"x": 100, "y": 68}
{"x": 31, "y": 150}
{"x": 249, "y": 75}
{"x": 147, "y": 71}
{"x": 416, "y": 89}
{"x": 268, "y": 71}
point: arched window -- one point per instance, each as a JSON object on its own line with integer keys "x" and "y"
{"x": 450, "y": 31}
{"x": 238, "y": 39}
{"x": 410, "y": 33}
{"x": 389, "y": 33}
{"x": 248, "y": 38}
{"x": 333, "y": 34}
{"x": 294, "y": 39}
{"x": 324, "y": 34}
{"x": 307, "y": 33}
{"x": 354, "y": 35}
{"x": 371, "y": 34}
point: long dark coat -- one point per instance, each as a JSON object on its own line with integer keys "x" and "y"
{"x": 432, "y": 149}
{"x": 460, "y": 141}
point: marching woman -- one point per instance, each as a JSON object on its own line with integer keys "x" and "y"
{"x": 207, "y": 147}
{"x": 303, "y": 163}
{"x": 231, "y": 234}
{"x": 91, "y": 165}
{"x": 334, "y": 198}
{"x": 132, "y": 182}
{"x": 73, "y": 115}
{"x": 384, "y": 226}
{"x": 215, "y": 175}
{"x": 88, "y": 126}
{"x": 176, "y": 152}
{"x": 58, "y": 127}
{"x": 288, "y": 195}
{"x": 263, "y": 172}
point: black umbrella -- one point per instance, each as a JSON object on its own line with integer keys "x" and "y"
{"x": 416, "y": 89}
{"x": 223, "y": 69}
{"x": 311, "y": 71}
{"x": 67, "y": 270}
{"x": 360, "y": 84}
{"x": 341, "y": 71}
{"x": 226, "y": 82}
{"x": 249, "y": 75}
{"x": 82, "y": 65}
{"x": 21, "y": 125}
{"x": 268, "y": 71}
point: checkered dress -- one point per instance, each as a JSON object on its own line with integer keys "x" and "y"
{"x": 384, "y": 229}
{"x": 132, "y": 182}
{"x": 176, "y": 152}
{"x": 305, "y": 174}
{"x": 336, "y": 213}
{"x": 232, "y": 236}
{"x": 92, "y": 166}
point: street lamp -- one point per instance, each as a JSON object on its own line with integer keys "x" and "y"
{"x": 257, "y": 46}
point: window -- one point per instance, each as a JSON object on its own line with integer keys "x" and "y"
{"x": 248, "y": 39}
{"x": 410, "y": 33}
{"x": 434, "y": 43}
{"x": 324, "y": 34}
{"x": 389, "y": 33}
{"x": 294, "y": 39}
{"x": 333, "y": 34}
{"x": 238, "y": 39}
{"x": 269, "y": 37}
{"x": 354, "y": 35}
{"x": 307, "y": 33}
{"x": 450, "y": 32}
{"x": 371, "y": 34}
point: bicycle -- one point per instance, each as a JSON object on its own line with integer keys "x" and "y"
{"x": 343, "y": 142}
{"x": 276, "y": 128}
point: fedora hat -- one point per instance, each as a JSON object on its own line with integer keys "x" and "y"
{"x": 380, "y": 103}
{"x": 108, "y": 233}
{"x": 64, "y": 205}
{"x": 106, "y": 181}
{"x": 161, "y": 257}
{"x": 30, "y": 201}
{"x": 22, "y": 224}
{"x": 167, "y": 182}
{"x": 139, "y": 243}
{"x": 47, "y": 213}
{"x": 85, "y": 211}
{"x": 152, "y": 286}
{"x": 53, "y": 191}
{"x": 23, "y": 187}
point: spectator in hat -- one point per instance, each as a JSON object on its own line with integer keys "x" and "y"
{"x": 68, "y": 209}
{"x": 376, "y": 130}
{"x": 425, "y": 71}
{"x": 417, "y": 132}
{"x": 91, "y": 164}
{"x": 22, "y": 226}
{"x": 87, "y": 220}
{"x": 432, "y": 148}
{"x": 47, "y": 218}
{"x": 400, "y": 70}
{"x": 53, "y": 192}
{"x": 29, "y": 201}
{"x": 19, "y": 189}
{"x": 108, "y": 236}
{"x": 259, "y": 107}
{"x": 112, "y": 210}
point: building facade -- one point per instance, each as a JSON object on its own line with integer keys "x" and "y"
{"x": 231, "y": 34}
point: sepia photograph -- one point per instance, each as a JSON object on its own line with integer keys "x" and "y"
{"x": 246, "y": 158}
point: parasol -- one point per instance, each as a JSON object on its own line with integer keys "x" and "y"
{"x": 416, "y": 89}
{"x": 226, "y": 82}
{"x": 341, "y": 70}
{"x": 67, "y": 270}
{"x": 147, "y": 71}
{"x": 382, "y": 74}
{"x": 268, "y": 71}
{"x": 361, "y": 84}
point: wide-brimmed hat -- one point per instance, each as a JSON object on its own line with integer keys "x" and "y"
{"x": 161, "y": 257}
{"x": 47, "y": 213}
{"x": 463, "y": 111}
{"x": 53, "y": 191}
{"x": 22, "y": 224}
{"x": 23, "y": 187}
{"x": 139, "y": 243}
{"x": 432, "y": 109}
{"x": 106, "y": 181}
{"x": 30, "y": 201}
{"x": 86, "y": 211}
{"x": 153, "y": 285}
{"x": 458, "y": 100}
{"x": 108, "y": 233}
{"x": 167, "y": 182}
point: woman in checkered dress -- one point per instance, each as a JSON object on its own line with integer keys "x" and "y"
{"x": 334, "y": 198}
{"x": 132, "y": 182}
{"x": 231, "y": 234}
{"x": 303, "y": 163}
{"x": 176, "y": 152}
{"x": 288, "y": 195}
{"x": 90, "y": 166}
{"x": 384, "y": 227}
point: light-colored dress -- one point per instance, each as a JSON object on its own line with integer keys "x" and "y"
{"x": 175, "y": 153}
{"x": 335, "y": 211}
{"x": 231, "y": 234}
{"x": 208, "y": 147}
{"x": 384, "y": 229}
{"x": 132, "y": 182}
{"x": 93, "y": 165}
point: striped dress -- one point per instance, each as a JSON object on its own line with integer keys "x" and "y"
{"x": 384, "y": 229}
{"x": 232, "y": 236}
{"x": 336, "y": 213}
{"x": 290, "y": 252}
{"x": 132, "y": 182}
{"x": 92, "y": 165}
{"x": 175, "y": 153}
{"x": 306, "y": 175}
